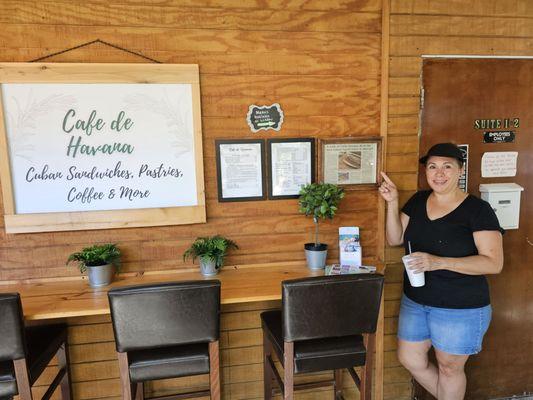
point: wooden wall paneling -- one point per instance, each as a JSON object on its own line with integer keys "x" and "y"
{"x": 322, "y": 61}
{"x": 256, "y": 237}
{"x": 378, "y": 379}
{"x": 404, "y": 86}
{"x": 298, "y": 126}
{"x": 497, "y": 46}
{"x": 404, "y": 106}
{"x": 452, "y": 25}
{"x": 405, "y": 66}
{"x": 330, "y": 87}
{"x": 404, "y": 181}
{"x": 209, "y": 40}
{"x": 176, "y": 17}
{"x": 341, "y": 5}
{"x": 234, "y": 63}
{"x": 402, "y": 144}
{"x": 355, "y": 202}
{"x": 473, "y": 7}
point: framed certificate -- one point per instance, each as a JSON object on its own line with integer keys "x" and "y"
{"x": 240, "y": 170}
{"x": 291, "y": 164}
{"x": 350, "y": 162}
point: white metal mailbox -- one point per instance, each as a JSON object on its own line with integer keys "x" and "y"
{"x": 505, "y": 200}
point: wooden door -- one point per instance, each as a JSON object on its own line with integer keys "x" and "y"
{"x": 464, "y": 99}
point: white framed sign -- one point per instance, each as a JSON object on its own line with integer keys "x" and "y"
{"x": 102, "y": 151}
{"x": 240, "y": 169}
{"x": 291, "y": 165}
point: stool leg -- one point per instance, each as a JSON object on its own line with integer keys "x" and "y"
{"x": 366, "y": 371}
{"x": 23, "y": 380}
{"x": 337, "y": 387}
{"x": 267, "y": 372}
{"x": 124, "y": 375}
{"x": 63, "y": 361}
{"x": 214, "y": 370}
{"x": 139, "y": 391}
{"x": 288, "y": 370}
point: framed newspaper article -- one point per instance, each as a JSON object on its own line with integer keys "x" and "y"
{"x": 351, "y": 162}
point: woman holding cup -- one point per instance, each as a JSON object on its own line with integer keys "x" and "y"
{"x": 453, "y": 239}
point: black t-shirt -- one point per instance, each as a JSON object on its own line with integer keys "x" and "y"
{"x": 448, "y": 236}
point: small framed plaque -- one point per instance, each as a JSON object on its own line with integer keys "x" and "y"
{"x": 291, "y": 164}
{"x": 264, "y": 117}
{"x": 351, "y": 162}
{"x": 240, "y": 170}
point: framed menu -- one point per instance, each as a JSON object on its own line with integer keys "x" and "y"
{"x": 240, "y": 170}
{"x": 350, "y": 162}
{"x": 291, "y": 165}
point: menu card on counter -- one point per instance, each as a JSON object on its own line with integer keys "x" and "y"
{"x": 349, "y": 246}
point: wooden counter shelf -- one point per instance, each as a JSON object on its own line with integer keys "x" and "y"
{"x": 73, "y": 297}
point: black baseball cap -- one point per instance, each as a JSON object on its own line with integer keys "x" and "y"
{"x": 444, "y": 150}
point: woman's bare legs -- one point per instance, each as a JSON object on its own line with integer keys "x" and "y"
{"x": 452, "y": 378}
{"x": 414, "y": 357}
{"x": 445, "y": 382}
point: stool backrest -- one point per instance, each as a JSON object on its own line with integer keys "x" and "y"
{"x": 169, "y": 314}
{"x": 330, "y": 306}
{"x": 12, "y": 340}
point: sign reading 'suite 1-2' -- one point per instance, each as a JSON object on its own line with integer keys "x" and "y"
{"x": 497, "y": 123}
{"x": 497, "y": 130}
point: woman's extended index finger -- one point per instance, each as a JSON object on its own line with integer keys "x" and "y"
{"x": 387, "y": 179}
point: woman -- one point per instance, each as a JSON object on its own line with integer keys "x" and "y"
{"x": 456, "y": 239}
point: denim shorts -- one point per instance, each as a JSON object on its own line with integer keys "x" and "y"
{"x": 451, "y": 330}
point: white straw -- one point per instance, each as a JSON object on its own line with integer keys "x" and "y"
{"x": 409, "y": 245}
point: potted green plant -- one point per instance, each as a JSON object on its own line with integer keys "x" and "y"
{"x": 100, "y": 261}
{"x": 211, "y": 251}
{"x": 319, "y": 200}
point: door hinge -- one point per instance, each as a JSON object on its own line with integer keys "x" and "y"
{"x": 422, "y": 92}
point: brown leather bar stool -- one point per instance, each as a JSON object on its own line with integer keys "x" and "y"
{"x": 26, "y": 351}
{"x": 326, "y": 323}
{"x": 165, "y": 331}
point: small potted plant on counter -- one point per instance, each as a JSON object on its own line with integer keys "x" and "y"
{"x": 321, "y": 201}
{"x": 101, "y": 261}
{"x": 211, "y": 251}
